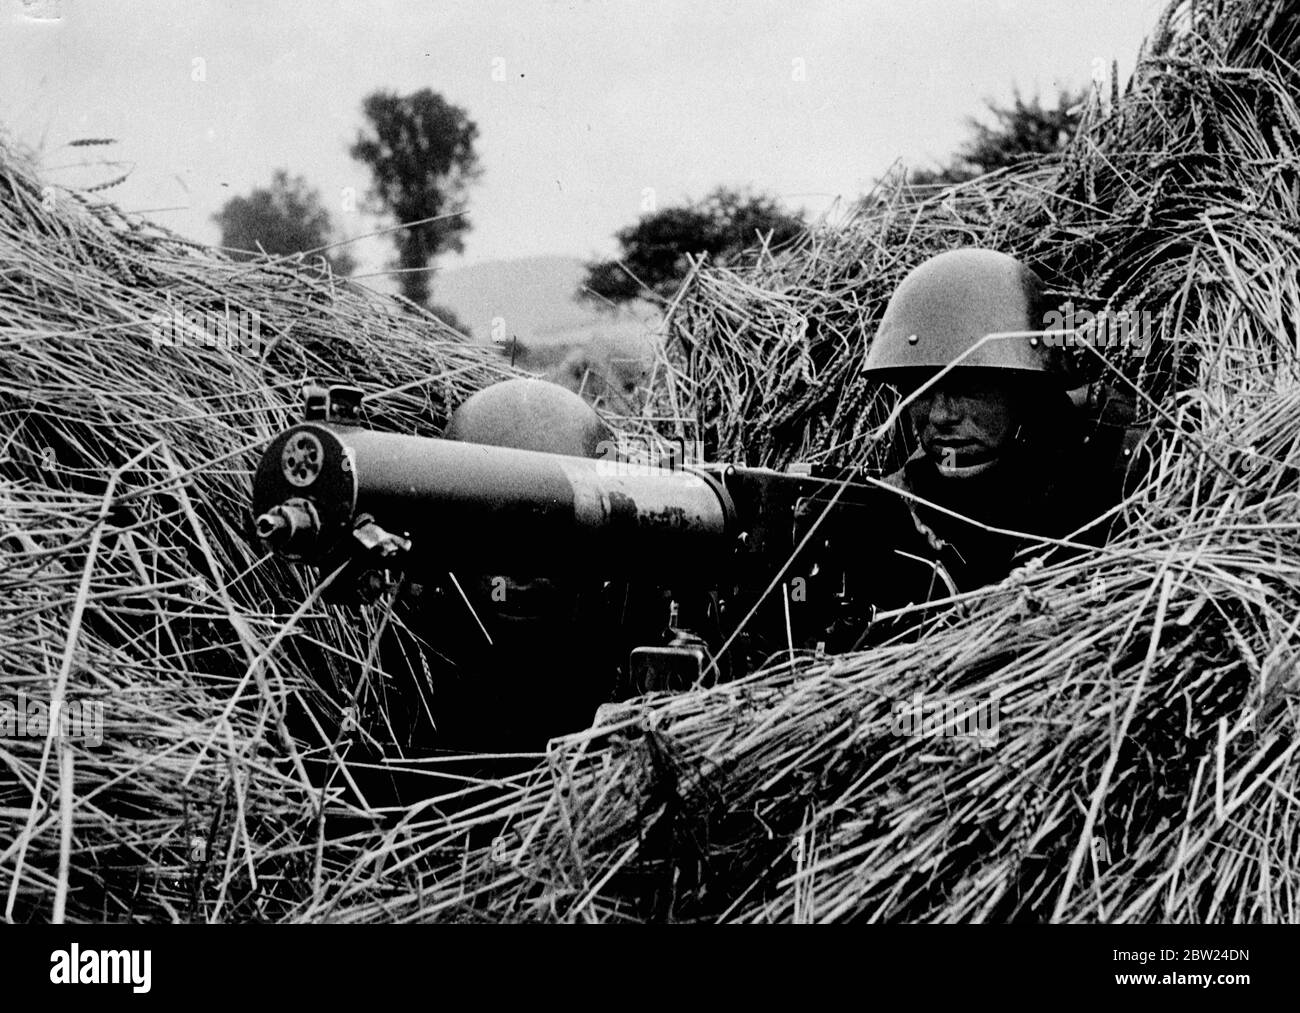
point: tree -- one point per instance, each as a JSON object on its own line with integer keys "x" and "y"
{"x": 653, "y": 252}
{"x": 448, "y": 317}
{"x": 1020, "y": 131}
{"x": 283, "y": 219}
{"x": 420, "y": 150}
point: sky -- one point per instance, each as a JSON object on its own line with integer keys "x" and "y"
{"x": 589, "y": 111}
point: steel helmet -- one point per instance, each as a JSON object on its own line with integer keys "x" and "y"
{"x": 529, "y": 414}
{"x": 951, "y": 301}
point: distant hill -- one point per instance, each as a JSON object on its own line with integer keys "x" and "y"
{"x": 606, "y": 357}
{"x": 533, "y": 299}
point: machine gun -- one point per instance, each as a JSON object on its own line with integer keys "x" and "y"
{"x": 376, "y": 505}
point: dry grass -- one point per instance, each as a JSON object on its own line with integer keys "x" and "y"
{"x": 1146, "y": 764}
{"x": 127, "y": 576}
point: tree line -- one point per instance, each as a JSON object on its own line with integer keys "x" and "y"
{"x": 420, "y": 153}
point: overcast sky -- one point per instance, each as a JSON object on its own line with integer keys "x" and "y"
{"x": 599, "y": 101}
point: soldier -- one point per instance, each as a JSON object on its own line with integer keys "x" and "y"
{"x": 532, "y": 656}
{"x": 999, "y": 442}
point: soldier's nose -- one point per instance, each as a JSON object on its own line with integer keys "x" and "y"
{"x": 943, "y": 409}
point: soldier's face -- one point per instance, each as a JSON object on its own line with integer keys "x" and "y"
{"x": 965, "y": 422}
